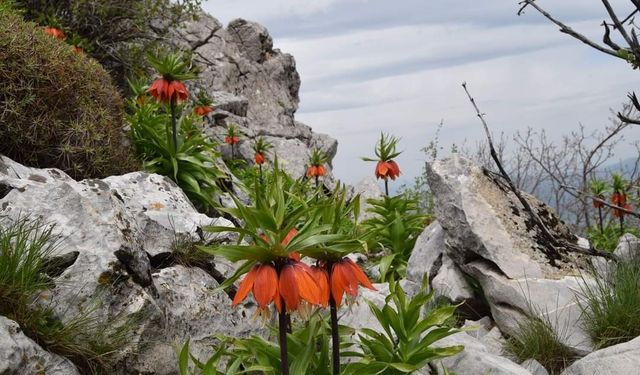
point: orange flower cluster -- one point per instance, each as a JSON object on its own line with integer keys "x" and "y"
{"x": 259, "y": 158}
{"x": 165, "y": 91}
{"x": 387, "y": 169}
{"x": 316, "y": 171}
{"x": 231, "y": 140}
{"x": 202, "y": 110}
{"x": 55, "y": 32}
{"x": 295, "y": 282}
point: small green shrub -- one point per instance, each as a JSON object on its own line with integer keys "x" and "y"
{"x": 611, "y": 305}
{"x": 58, "y": 108}
{"x": 192, "y": 166}
{"x": 405, "y": 346}
{"x": 537, "y": 340}
{"x": 395, "y": 229}
{"x": 608, "y": 238}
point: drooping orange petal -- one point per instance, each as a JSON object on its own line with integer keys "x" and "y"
{"x": 359, "y": 274}
{"x": 307, "y": 285}
{"x": 179, "y": 90}
{"x": 311, "y": 171}
{"x": 259, "y": 158}
{"x": 265, "y": 286}
{"x": 245, "y": 286}
{"x": 322, "y": 279}
{"x": 294, "y": 255}
{"x": 288, "y": 287}
{"x": 382, "y": 169}
{"x": 394, "y": 169}
{"x": 342, "y": 280}
{"x": 321, "y": 170}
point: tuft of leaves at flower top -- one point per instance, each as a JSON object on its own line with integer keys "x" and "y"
{"x": 176, "y": 66}
{"x": 385, "y": 149}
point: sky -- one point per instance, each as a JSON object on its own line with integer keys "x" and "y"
{"x": 397, "y": 66}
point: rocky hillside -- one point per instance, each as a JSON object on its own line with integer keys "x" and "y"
{"x": 254, "y": 86}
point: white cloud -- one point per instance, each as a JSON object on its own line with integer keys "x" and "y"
{"x": 373, "y": 65}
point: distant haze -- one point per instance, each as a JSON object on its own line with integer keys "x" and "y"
{"x": 396, "y": 66}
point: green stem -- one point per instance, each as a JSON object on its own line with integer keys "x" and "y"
{"x": 282, "y": 326}
{"x": 621, "y": 223}
{"x": 335, "y": 337}
{"x": 317, "y": 182}
{"x": 174, "y": 126}
{"x": 260, "y": 169}
{"x": 386, "y": 186}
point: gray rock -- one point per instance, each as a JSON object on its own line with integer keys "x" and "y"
{"x": 19, "y": 355}
{"x": 534, "y": 367}
{"x": 476, "y": 358}
{"x": 483, "y": 220}
{"x": 618, "y": 359}
{"x": 628, "y": 247}
{"x": 368, "y": 189}
{"x": 430, "y": 259}
{"x": 116, "y": 226}
{"x": 254, "y": 86}
{"x": 489, "y": 237}
{"x": 189, "y": 307}
{"x": 555, "y": 301}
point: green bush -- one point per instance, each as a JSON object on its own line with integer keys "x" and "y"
{"x": 118, "y": 33}
{"x": 58, "y": 108}
{"x": 608, "y": 238}
{"x": 611, "y": 305}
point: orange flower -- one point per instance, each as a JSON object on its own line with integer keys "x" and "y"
{"x": 316, "y": 171}
{"x": 296, "y": 284}
{"x": 345, "y": 277}
{"x": 231, "y": 140}
{"x": 77, "y": 49}
{"x": 259, "y": 158}
{"x": 619, "y": 213}
{"x": 262, "y": 279}
{"x": 202, "y": 110}
{"x": 386, "y": 169}
{"x": 322, "y": 279}
{"x": 165, "y": 91}
{"x": 55, "y": 32}
{"x": 619, "y": 199}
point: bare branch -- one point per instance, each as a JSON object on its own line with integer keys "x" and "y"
{"x": 566, "y": 29}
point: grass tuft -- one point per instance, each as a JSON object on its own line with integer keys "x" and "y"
{"x": 86, "y": 338}
{"x": 611, "y": 305}
{"x": 537, "y": 340}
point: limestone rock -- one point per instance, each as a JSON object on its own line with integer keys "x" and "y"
{"x": 476, "y": 358}
{"x": 118, "y": 227}
{"x": 483, "y": 219}
{"x": 254, "y": 86}
{"x": 368, "y": 189}
{"x": 618, "y": 359}
{"x": 490, "y": 238}
{"x": 430, "y": 258}
{"x": 19, "y": 355}
{"x": 534, "y": 367}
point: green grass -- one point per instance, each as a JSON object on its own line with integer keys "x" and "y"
{"x": 85, "y": 338}
{"x": 537, "y": 340}
{"x": 611, "y": 305}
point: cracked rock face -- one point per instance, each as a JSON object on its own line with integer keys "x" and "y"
{"x": 484, "y": 234}
{"x": 19, "y": 355}
{"x": 112, "y": 228}
{"x": 254, "y": 86}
